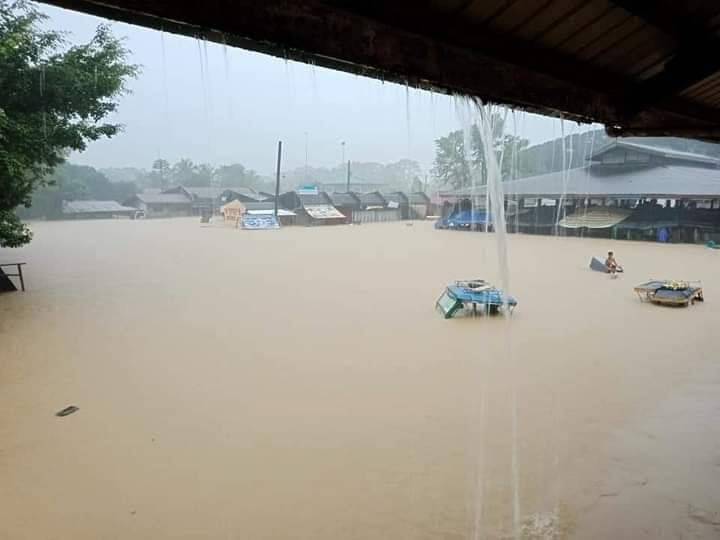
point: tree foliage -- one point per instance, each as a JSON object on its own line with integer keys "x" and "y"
{"x": 455, "y": 165}
{"x": 70, "y": 182}
{"x": 54, "y": 99}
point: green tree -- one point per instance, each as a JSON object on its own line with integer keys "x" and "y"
{"x": 236, "y": 175}
{"x": 454, "y": 166}
{"x": 451, "y": 167}
{"x": 54, "y": 99}
{"x": 204, "y": 175}
{"x": 183, "y": 173}
{"x": 159, "y": 176}
{"x": 70, "y": 182}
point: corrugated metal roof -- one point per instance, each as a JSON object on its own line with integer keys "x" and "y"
{"x": 271, "y": 211}
{"x": 323, "y": 211}
{"x": 163, "y": 198}
{"x": 261, "y": 205}
{"x": 639, "y": 67}
{"x": 396, "y": 196}
{"x": 205, "y": 192}
{"x": 418, "y": 198}
{"x": 320, "y": 198}
{"x": 90, "y": 207}
{"x": 348, "y": 200}
{"x": 374, "y": 198}
{"x": 668, "y": 153}
{"x": 669, "y": 181}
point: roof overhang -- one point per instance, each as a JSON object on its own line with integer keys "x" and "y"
{"x": 641, "y": 68}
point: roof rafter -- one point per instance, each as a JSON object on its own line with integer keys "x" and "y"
{"x": 693, "y": 61}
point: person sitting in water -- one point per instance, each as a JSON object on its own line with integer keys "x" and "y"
{"x": 611, "y": 264}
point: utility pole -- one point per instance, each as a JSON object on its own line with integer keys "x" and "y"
{"x": 277, "y": 178}
{"x": 347, "y": 188}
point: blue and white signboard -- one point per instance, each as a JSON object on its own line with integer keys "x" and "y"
{"x": 259, "y": 222}
{"x": 307, "y": 190}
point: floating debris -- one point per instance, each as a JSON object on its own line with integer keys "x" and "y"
{"x": 469, "y": 294}
{"x": 67, "y": 410}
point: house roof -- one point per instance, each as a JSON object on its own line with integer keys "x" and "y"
{"x": 91, "y": 207}
{"x": 235, "y": 203}
{"x": 643, "y": 68}
{"x": 314, "y": 198}
{"x": 323, "y": 211}
{"x": 260, "y": 205}
{"x": 396, "y": 196}
{"x": 668, "y": 153}
{"x": 270, "y": 211}
{"x": 204, "y": 192}
{"x": 418, "y": 197}
{"x": 663, "y": 181}
{"x": 163, "y": 198}
{"x": 243, "y": 191}
{"x": 374, "y": 198}
{"x": 348, "y": 200}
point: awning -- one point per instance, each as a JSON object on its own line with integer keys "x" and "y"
{"x": 324, "y": 211}
{"x": 269, "y": 212}
{"x": 595, "y": 218}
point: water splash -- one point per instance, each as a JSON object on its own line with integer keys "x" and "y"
{"x": 495, "y": 190}
{"x": 228, "y": 91}
{"x": 407, "y": 118}
{"x": 483, "y": 123}
{"x": 203, "y": 81}
{"x": 208, "y": 88}
{"x": 166, "y": 98}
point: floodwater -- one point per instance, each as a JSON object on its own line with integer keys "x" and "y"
{"x": 298, "y": 384}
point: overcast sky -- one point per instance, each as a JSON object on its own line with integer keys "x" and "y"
{"x": 225, "y": 105}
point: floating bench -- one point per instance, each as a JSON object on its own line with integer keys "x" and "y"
{"x": 6, "y": 284}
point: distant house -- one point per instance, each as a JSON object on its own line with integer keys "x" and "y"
{"x": 96, "y": 210}
{"x": 358, "y": 187}
{"x": 243, "y": 194}
{"x": 397, "y": 199}
{"x": 156, "y": 205}
{"x": 202, "y": 199}
{"x": 374, "y": 208}
{"x": 346, "y": 203}
{"x": 627, "y": 190}
{"x": 420, "y": 205}
{"x": 373, "y": 199}
{"x": 312, "y": 208}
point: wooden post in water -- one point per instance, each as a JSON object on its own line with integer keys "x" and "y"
{"x": 277, "y": 179}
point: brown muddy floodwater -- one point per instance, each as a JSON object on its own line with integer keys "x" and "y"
{"x": 298, "y": 384}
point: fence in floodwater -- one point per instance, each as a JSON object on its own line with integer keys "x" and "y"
{"x": 379, "y": 215}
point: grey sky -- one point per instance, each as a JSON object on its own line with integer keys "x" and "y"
{"x": 224, "y": 105}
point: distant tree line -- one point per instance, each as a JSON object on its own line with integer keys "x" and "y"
{"x": 70, "y": 182}
{"x": 186, "y": 173}
{"x": 456, "y": 166}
